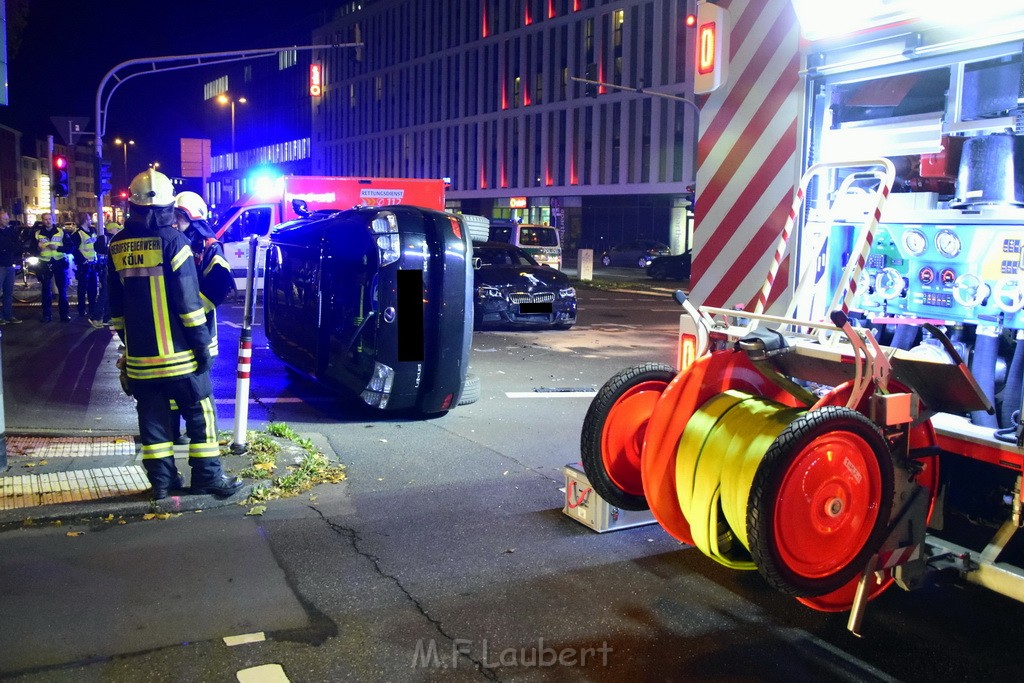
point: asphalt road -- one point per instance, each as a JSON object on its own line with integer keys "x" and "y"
{"x": 444, "y": 556}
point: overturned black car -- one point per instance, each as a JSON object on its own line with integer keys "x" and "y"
{"x": 513, "y": 291}
{"x": 374, "y": 301}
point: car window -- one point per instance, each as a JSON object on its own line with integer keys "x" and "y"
{"x": 254, "y": 221}
{"x": 538, "y": 237}
{"x": 502, "y": 257}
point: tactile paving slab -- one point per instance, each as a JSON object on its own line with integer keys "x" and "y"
{"x": 31, "y": 490}
{"x": 69, "y": 446}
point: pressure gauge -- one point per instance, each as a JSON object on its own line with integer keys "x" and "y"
{"x": 926, "y": 275}
{"x": 947, "y": 243}
{"x": 969, "y": 290}
{"x": 889, "y": 284}
{"x": 915, "y": 242}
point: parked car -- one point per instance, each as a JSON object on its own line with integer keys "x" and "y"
{"x": 512, "y": 290}
{"x": 375, "y": 302}
{"x": 676, "y": 267}
{"x": 637, "y": 253}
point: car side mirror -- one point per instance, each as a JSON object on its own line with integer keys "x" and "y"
{"x": 300, "y": 207}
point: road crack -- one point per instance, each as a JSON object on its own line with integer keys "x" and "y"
{"x": 355, "y": 540}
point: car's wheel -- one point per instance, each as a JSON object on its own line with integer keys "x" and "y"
{"x": 820, "y": 501}
{"x": 657, "y": 272}
{"x": 641, "y": 262}
{"x": 613, "y": 432}
{"x": 606, "y": 260}
{"x": 470, "y": 390}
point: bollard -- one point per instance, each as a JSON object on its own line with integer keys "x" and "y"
{"x": 3, "y": 421}
{"x": 238, "y": 443}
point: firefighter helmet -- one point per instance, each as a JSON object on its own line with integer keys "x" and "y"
{"x": 151, "y": 188}
{"x": 191, "y": 205}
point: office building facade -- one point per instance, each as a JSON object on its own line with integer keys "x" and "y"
{"x": 481, "y": 92}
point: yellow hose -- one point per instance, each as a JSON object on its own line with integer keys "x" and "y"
{"x": 718, "y": 454}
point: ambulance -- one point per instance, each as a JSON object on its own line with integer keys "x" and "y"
{"x": 274, "y": 201}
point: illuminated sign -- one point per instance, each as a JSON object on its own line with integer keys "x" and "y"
{"x": 316, "y": 80}
{"x": 712, "y": 48}
{"x": 517, "y": 202}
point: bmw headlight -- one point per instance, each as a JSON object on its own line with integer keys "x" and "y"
{"x": 488, "y": 292}
{"x": 567, "y": 293}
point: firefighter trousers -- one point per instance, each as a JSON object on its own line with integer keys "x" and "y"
{"x": 158, "y": 427}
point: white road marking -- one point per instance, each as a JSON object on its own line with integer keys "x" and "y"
{"x": 267, "y": 673}
{"x": 244, "y": 639}
{"x": 550, "y": 394}
{"x": 281, "y": 399}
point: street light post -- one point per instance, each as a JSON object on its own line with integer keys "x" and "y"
{"x": 224, "y": 98}
{"x": 124, "y": 144}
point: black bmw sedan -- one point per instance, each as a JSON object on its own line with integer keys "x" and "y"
{"x": 511, "y": 290}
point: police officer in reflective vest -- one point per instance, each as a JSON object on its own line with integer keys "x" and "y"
{"x": 83, "y": 239}
{"x": 157, "y": 311}
{"x": 54, "y": 247}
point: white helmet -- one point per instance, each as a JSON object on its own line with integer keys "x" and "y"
{"x": 151, "y": 188}
{"x": 192, "y": 205}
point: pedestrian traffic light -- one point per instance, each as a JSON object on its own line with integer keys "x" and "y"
{"x": 59, "y": 177}
{"x": 103, "y": 185}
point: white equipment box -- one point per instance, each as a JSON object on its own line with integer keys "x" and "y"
{"x": 584, "y": 505}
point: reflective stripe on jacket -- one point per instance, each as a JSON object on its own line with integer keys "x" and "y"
{"x": 155, "y": 303}
{"x": 86, "y": 245}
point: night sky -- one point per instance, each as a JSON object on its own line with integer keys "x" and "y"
{"x": 59, "y": 50}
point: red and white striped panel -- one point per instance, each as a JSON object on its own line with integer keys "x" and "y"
{"x": 747, "y": 158}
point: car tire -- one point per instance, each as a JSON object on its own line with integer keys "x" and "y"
{"x": 657, "y": 272}
{"x": 606, "y": 260}
{"x": 642, "y": 262}
{"x": 470, "y": 390}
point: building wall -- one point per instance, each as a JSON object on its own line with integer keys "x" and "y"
{"x": 479, "y": 91}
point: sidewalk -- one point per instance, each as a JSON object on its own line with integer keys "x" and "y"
{"x": 53, "y": 477}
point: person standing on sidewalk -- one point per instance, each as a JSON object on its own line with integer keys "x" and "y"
{"x": 191, "y": 217}
{"x": 54, "y": 247}
{"x": 158, "y": 314}
{"x": 10, "y": 257}
{"x": 83, "y": 240}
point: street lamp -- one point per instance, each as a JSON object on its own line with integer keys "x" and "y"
{"x": 224, "y": 98}
{"x": 124, "y": 144}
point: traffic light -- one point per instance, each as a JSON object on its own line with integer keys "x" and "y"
{"x": 103, "y": 185}
{"x": 59, "y": 177}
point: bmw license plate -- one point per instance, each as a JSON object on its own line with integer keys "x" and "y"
{"x": 529, "y": 309}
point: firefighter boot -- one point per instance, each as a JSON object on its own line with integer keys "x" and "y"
{"x": 163, "y": 476}
{"x": 208, "y": 478}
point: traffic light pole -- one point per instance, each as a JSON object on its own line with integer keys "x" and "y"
{"x": 53, "y": 195}
{"x": 150, "y": 65}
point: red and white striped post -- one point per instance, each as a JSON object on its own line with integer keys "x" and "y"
{"x": 238, "y": 439}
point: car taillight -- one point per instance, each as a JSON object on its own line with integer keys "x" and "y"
{"x": 687, "y": 351}
{"x": 378, "y": 389}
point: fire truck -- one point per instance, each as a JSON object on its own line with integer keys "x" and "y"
{"x": 844, "y": 413}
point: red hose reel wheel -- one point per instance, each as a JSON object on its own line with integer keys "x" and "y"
{"x": 613, "y": 432}
{"x": 820, "y": 502}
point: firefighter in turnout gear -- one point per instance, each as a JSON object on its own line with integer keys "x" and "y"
{"x": 54, "y": 246}
{"x": 157, "y": 311}
{"x": 215, "y": 280}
